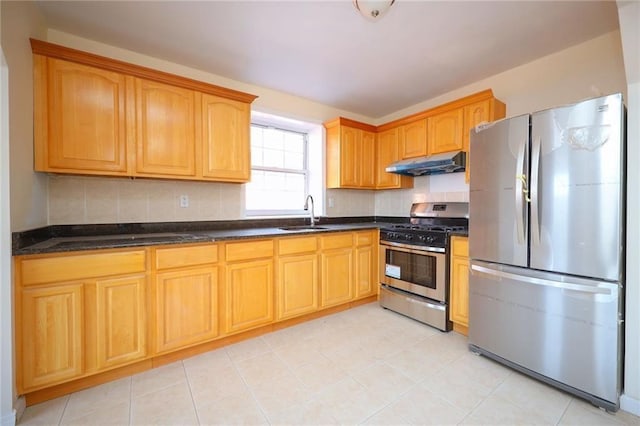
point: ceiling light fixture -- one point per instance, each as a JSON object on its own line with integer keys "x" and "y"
{"x": 373, "y": 9}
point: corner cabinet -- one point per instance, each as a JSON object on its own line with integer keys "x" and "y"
{"x": 98, "y": 116}
{"x": 459, "y": 284}
{"x": 350, "y": 154}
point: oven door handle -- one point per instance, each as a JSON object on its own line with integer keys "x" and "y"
{"x": 412, "y": 249}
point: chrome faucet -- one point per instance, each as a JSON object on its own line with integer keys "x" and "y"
{"x": 306, "y": 207}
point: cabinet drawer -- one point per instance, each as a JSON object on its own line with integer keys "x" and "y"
{"x": 366, "y": 238}
{"x": 460, "y": 246}
{"x": 341, "y": 240}
{"x": 297, "y": 245}
{"x": 249, "y": 250}
{"x": 80, "y": 266}
{"x": 175, "y": 257}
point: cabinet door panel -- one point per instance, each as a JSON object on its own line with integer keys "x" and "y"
{"x": 165, "y": 129}
{"x": 350, "y": 139}
{"x": 367, "y": 160}
{"x": 366, "y": 268}
{"x": 187, "y": 307}
{"x": 85, "y": 118}
{"x": 413, "y": 139}
{"x": 225, "y": 127}
{"x": 121, "y": 320}
{"x": 297, "y": 285}
{"x": 52, "y": 334}
{"x": 460, "y": 291}
{"x": 337, "y": 277}
{"x": 445, "y": 131}
{"x": 249, "y": 294}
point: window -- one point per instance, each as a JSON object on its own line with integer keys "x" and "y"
{"x": 279, "y": 172}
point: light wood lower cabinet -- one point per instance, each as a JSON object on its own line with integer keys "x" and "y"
{"x": 186, "y": 307}
{"x": 120, "y": 330}
{"x": 459, "y": 280}
{"x": 185, "y": 296}
{"x": 248, "y": 285}
{"x": 297, "y": 277}
{"x": 366, "y": 264}
{"x": 337, "y": 269}
{"x": 79, "y": 313}
{"x": 51, "y": 331}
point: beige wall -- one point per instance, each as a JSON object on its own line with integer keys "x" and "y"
{"x": 21, "y": 20}
{"x": 579, "y": 72}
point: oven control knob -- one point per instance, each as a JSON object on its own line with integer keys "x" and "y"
{"x": 409, "y": 237}
{"x": 430, "y": 238}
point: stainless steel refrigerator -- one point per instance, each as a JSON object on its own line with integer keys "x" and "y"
{"x": 547, "y": 246}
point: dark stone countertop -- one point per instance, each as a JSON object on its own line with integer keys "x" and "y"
{"x": 460, "y": 233}
{"x": 65, "y": 238}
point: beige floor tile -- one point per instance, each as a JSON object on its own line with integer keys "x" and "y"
{"x": 531, "y": 394}
{"x": 283, "y": 392}
{"x": 350, "y": 357}
{"x": 384, "y": 380}
{"x": 45, "y": 413}
{"x": 247, "y": 349}
{"x": 480, "y": 369}
{"x": 349, "y": 402}
{"x": 307, "y": 413}
{"x": 298, "y": 353}
{"x": 389, "y": 415}
{"x": 261, "y": 368}
{"x": 580, "y": 413}
{"x": 217, "y": 360}
{"x": 415, "y": 364}
{"x": 319, "y": 374}
{"x": 240, "y": 409}
{"x": 97, "y": 398}
{"x": 208, "y": 385}
{"x": 497, "y": 411}
{"x": 116, "y": 415}
{"x": 157, "y": 378}
{"x": 457, "y": 389}
{"x": 423, "y": 407}
{"x": 170, "y": 406}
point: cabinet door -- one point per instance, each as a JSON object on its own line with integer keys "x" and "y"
{"x": 445, "y": 131}
{"x": 388, "y": 152}
{"x": 165, "y": 129}
{"x": 459, "y": 289}
{"x": 186, "y": 307}
{"x": 350, "y": 141}
{"x": 79, "y": 118}
{"x": 366, "y": 160}
{"x": 337, "y": 277}
{"x": 413, "y": 139}
{"x": 297, "y": 285}
{"x": 473, "y": 115}
{"x": 225, "y": 139}
{"x": 249, "y": 295}
{"x": 365, "y": 271}
{"x": 121, "y": 320}
{"x": 51, "y": 335}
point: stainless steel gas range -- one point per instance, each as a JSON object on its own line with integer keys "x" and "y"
{"x": 415, "y": 262}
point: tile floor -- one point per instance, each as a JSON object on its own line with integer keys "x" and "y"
{"x": 362, "y": 366}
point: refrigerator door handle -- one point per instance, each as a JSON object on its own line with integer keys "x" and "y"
{"x": 540, "y": 281}
{"x": 520, "y": 192}
{"x": 535, "y": 174}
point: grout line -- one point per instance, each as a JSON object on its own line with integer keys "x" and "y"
{"x": 130, "y": 399}
{"x": 64, "y": 409}
{"x": 249, "y": 388}
{"x": 193, "y": 401}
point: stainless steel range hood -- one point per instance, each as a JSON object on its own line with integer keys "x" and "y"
{"x": 448, "y": 162}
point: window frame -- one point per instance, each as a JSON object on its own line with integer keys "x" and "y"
{"x": 304, "y": 172}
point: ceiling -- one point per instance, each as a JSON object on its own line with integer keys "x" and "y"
{"x": 326, "y": 52}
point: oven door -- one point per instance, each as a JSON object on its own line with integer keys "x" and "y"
{"x": 414, "y": 270}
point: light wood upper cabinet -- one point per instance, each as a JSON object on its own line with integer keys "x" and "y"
{"x": 165, "y": 129}
{"x": 459, "y": 289}
{"x": 95, "y": 115}
{"x": 225, "y": 139}
{"x": 80, "y": 120}
{"x": 445, "y": 131}
{"x": 477, "y": 113}
{"x": 350, "y": 154}
{"x": 413, "y": 139}
{"x": 387, "y": 152}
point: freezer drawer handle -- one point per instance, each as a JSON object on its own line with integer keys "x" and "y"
{"x": 541, "y": 281}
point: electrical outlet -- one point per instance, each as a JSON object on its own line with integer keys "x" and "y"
{"x": 184, "y": 201}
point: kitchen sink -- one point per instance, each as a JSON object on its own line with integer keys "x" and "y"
{"x": 303, "y": 228}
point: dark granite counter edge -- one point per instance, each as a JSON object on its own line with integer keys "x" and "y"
{"x": 104, "y": 236}
{"x": 459, "y": 233}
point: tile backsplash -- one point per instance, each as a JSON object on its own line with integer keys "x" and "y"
{"x": 95, "y": 200}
